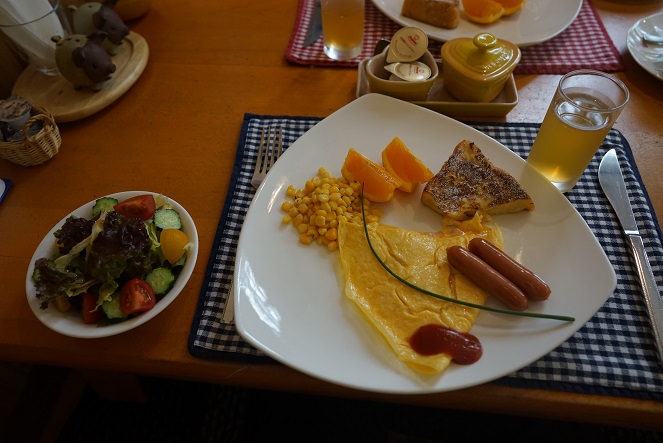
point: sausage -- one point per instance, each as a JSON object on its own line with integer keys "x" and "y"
{"x": 487, "y": 278}
{"x": 532, "y": 286}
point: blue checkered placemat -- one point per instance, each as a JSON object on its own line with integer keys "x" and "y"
{"x": 613, "y": 353}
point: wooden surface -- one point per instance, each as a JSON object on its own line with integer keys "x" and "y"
{"x": 176, "y": 131}
{"x": 68, "y": 104}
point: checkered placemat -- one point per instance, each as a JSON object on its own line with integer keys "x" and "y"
{"x": 614, "y": 352}
{"x": 585, "y": 44}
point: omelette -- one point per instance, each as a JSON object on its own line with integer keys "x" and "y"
{"x": 393, "y": 308}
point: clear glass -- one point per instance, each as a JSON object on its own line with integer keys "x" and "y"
{"x": 585, "y": 106}
{"x": 30, "y": 24}
{"x": 342, "y": 28}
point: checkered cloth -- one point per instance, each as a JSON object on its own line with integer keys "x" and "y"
{"x": 585, "y": 44}
{"x": 613, "y": 353}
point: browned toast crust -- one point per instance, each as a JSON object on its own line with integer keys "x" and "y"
{"x": 441, "y": 13}
{"x": 468, "y": 182}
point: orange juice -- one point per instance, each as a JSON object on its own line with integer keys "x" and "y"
{"x": 342, "y": 28}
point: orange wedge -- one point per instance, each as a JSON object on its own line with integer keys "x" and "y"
{"x": 511, "y": 6}
{"x": 401, "y": 162}
{"x": 483, "y": 11}
{"x": 379, "y": 184}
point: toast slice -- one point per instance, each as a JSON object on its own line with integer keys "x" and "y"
{"x": 468, "y": 182}
{"x": 440, "y": 13}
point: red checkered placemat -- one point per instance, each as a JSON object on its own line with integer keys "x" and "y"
{"x": 585, "y": 44}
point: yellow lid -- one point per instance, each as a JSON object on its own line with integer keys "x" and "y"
{"x": 483, "y": 57}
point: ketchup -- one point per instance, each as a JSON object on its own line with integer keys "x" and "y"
{"x": 432, "y": 339}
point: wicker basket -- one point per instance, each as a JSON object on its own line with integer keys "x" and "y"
{"x": 36, "y": 149}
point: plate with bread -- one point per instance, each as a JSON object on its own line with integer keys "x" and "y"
{"x": 443, "y": 20}
{"x": 314, "y": 308}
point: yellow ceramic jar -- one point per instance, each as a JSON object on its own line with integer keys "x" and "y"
{"x": 475, "y": 70}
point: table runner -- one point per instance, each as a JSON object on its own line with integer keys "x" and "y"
{"x": 585, "y": 44}
{"x": 613, "y": 353}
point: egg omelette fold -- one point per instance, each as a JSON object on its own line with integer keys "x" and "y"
{"x": 393, "y": 308}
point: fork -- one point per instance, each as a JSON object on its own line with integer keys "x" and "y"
{"x": 270, "y": 150}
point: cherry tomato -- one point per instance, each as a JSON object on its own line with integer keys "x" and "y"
{"x": 173, "y": 242}
{"x": 91, "y": 314}
{"x": 136, "y": 296}
{"x": 140, "y": 206}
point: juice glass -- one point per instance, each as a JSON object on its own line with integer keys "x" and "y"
{"x": 30, "y": 24}
{"x": 342, "y": 28}
{"x": 585, "y": 106}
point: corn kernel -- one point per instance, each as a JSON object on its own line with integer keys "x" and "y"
{"x": 331, "y": 234}
{"x": 305, "y": 239}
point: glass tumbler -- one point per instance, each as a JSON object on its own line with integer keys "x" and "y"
{"x": 584, "y": 107}
{"x": 30, "y": 24}
{"x": 342, "y": 28}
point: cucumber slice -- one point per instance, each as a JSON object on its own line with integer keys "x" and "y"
{"x": 167, "y": 219}
{"x": 161, "y": 280}
{"x": 103, "y": 204}
{"x": 112, "y": 307}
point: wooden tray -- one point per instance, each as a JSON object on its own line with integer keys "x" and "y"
{"x": 65, "y": 103}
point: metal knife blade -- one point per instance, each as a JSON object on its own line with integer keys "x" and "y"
{"x": 314, "y": 30}
{"x": 614, "y": 187}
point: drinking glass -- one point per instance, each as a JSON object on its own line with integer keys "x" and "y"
{"x": 585, "y": 106}
{"x": 30, "y": 24}
{"x": 342, "y": 28}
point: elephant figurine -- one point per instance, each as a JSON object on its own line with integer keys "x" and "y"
{"x": 93, "y": 16}
{"x": 83, "y": 61}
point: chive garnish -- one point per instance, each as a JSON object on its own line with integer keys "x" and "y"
{"x": 442, "y": 297}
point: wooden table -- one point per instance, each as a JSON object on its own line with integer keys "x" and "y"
{"x": 176, "y": 132}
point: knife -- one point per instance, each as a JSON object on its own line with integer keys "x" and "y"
{"x": 315, "y": 26}
{"x": 612, "y": 182}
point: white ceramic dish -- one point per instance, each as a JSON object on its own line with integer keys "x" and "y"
{"x": 649, "y": 56}
{"x": 439, "y": 99}
{"x": 537, "y": 22}
{"x": 71, "y": 323}
{"x": 288, "y": 298}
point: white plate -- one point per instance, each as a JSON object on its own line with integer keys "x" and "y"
{"x": 288, "y": 299}
{"x": 537, "y": 22}
{"x": 71, "y": 323}
{"x": 650, "y": 57}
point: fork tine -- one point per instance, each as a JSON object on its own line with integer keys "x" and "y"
{"x": 268, "y": 152}
{"x": 276, "y": 148}
{"x": 261, "y": 150}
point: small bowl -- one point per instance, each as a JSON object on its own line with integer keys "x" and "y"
{"x": 378, "y": 78}
{"x": 476, "y": 70}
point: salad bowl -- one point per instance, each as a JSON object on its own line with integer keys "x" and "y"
{"x": 71, "y": 323}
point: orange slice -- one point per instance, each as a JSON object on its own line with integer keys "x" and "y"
{"x": 379, "y": 184}
{"x": 401, "y": 162}
{"x": 511, "y": 6}
{"x": 483, "y": 11}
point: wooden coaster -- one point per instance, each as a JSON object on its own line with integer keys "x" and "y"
{"x": 65, "y": 103}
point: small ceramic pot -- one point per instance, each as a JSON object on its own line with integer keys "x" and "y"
{"x": 476, "y": 70}
{"x": 379, "y": 78}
